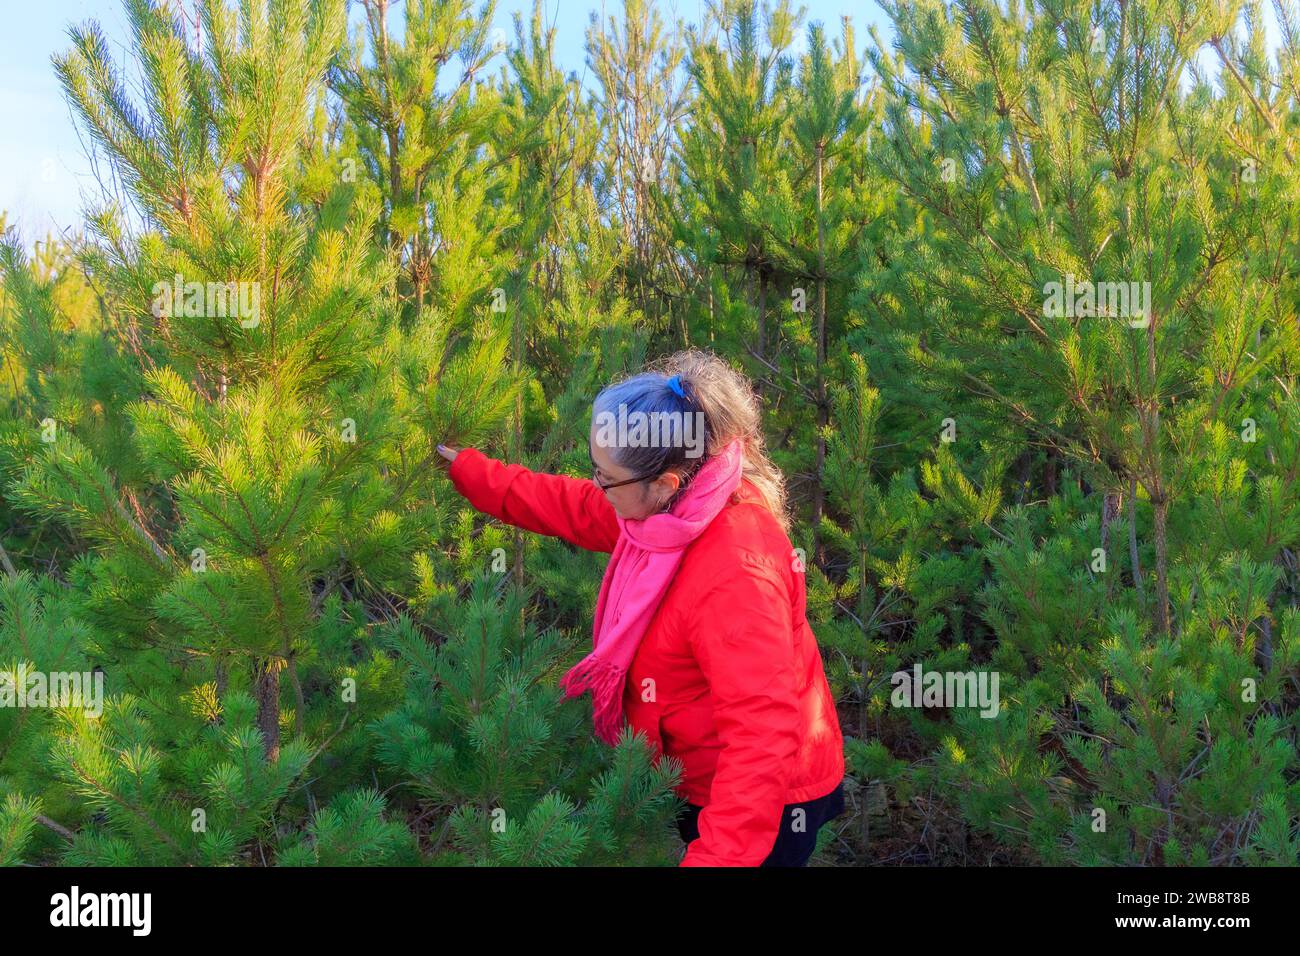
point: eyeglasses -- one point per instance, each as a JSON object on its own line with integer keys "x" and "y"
{"x": 595, "y": 476}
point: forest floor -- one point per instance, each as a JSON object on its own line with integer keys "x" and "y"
{"x": 879, "y": 829}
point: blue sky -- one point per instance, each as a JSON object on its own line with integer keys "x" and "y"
{"x": 44, "y": 170}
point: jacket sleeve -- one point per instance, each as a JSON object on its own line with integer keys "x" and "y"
{"x": 744, "y": 643}
{"x": 554, "y": 505}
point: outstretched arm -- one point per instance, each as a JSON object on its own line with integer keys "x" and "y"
{"x": 554, "y": 505}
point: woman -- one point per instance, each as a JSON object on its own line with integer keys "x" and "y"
{"x": 701, "y": 639}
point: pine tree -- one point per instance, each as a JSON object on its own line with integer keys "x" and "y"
{"x": 219, "y": 412}
{"x": 643, "y": 99}
{"x": 1041, "y": 153}
{"x": 1001, "y": 160}
{"x": 813, "y": 226}
{"x": 421, "y": 139}
{"x": 483, "y": 738}
{"x": 728, "y": 160}
{"x": 271, "y": 497}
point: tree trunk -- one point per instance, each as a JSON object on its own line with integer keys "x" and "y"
{"x": 221, "y": 681}
{"x": 266, "y": 689}
{"x": 708, "y": 278}
{"x": 1156, "y": 489}
{"x": 1264, "y": 649}
{"x": 1112, "y": 505}
{"x": 751, "y": 299}
{"x": 762, "y": 319}
{"x": 823, "y": 417}
{"x": 1133, "y": 537}
{"x": 517, "y": 432}
{"x": 1162, "y": 564}
{"x": 1049, "y": 473}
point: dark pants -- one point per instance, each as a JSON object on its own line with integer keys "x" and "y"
{"x": 791, "y": 848}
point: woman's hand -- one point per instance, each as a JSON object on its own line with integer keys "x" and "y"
{"x": 448, "y": 453}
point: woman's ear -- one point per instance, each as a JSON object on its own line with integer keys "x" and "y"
{"x": 665, "y": 486}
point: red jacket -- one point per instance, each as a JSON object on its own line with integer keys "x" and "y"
{"x": 728, "y": 678}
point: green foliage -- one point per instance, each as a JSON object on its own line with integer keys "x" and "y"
{"x": 483, "y": 733}
{"x": 219, "y": 412}
{"x": 352, "y": 831}
{"x": 17, "y": 824}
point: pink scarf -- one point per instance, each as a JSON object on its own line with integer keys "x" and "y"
{"x": 645, "y": 558}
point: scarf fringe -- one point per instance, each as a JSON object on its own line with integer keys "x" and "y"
{"x": 605, "y": 680}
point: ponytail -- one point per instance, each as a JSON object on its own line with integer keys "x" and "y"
{"x": 699, "y": 382}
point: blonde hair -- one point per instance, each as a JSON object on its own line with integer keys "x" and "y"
{"x": 731, "y": 409}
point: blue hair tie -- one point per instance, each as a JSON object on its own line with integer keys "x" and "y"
{"x": 675, "y": 383}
